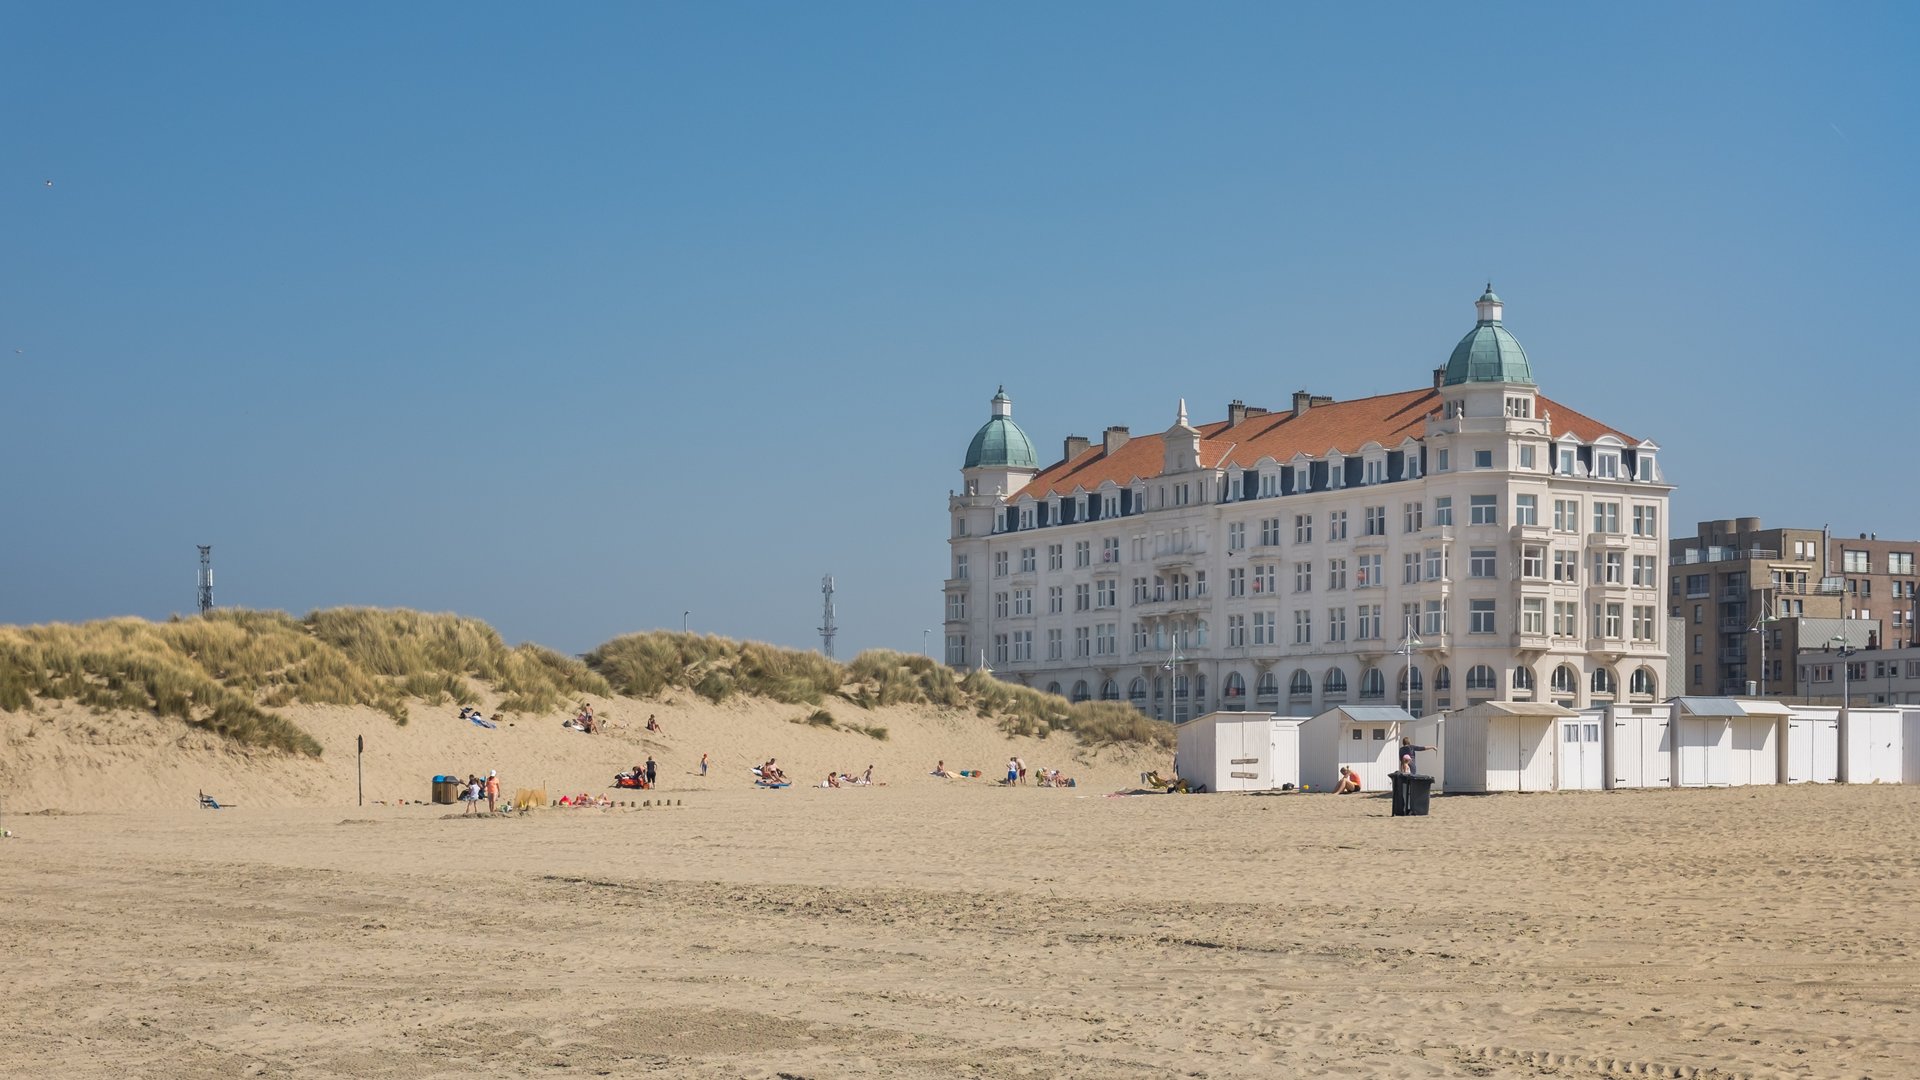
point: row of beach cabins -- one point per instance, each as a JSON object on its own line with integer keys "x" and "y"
{"x": 1538, "y": 746}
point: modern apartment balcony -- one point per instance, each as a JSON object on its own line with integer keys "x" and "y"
{"x": 1734, "y": 592}
{"x": 1733, "y": 626}
{"x": 1733, "y": 656}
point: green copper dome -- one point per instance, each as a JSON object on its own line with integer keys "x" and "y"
{"x": 1000, "y": 444}
{"x": 1488, "y": 353}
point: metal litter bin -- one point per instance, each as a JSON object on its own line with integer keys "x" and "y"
{"x": 1411, "y": 795}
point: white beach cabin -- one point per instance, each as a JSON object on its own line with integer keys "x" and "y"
{"x": 1364, "y": 737}
{"x": 1639, "y": 745}
{"x": 1813, "y": 745}
{"x": 1507, "y": 745}
{"x": 1238, "y": 751}
{"x": 1728, "y": 742}
{"x": 1871, "y": 742}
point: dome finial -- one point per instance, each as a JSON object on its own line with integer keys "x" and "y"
{"x": 1183, "y": 412}
{"x": 1489, "y": 305}
{"x": 1002, "y": 404}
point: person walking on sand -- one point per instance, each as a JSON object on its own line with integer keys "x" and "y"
{"x": 703, "y": 764}
{"x": 470, "y": 794}
{"x": 493, "y": 790}
{"x": 653, "y": 771}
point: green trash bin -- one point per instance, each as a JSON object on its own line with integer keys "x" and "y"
{"x": 1411, "y": 794}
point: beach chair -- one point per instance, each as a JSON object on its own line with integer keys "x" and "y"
{"x": 208, "y": 802}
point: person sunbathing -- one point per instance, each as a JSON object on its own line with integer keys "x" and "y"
{"x": 1349, "y": 781}
{"x": 940, "y": 770}
{"x": 833, "y": 781}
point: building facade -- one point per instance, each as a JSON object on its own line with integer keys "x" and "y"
{"x": 1752, "y": 598}
{"x": 1831, "y": 676}
{"x": 1466, "y": 541}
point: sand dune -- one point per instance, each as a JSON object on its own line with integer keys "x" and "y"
{"x": 68, "y": 757}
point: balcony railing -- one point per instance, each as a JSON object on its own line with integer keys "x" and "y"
{"x": 1692, "y": 556}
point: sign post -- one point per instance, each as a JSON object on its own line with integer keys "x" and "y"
{"x": 359, "y": 774}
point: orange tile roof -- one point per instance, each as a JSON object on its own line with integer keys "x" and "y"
{"x": 1346, "y": 426}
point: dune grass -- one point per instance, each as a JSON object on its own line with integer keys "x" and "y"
{"x": 228, "y": 671}
{"x": 646, "y": 665}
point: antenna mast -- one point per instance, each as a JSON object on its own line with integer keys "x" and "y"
{"x": 826, "y": 621}
{"x": 206, "y": 577}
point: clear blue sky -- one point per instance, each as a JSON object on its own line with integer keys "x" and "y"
{"x": 575, "y": 317}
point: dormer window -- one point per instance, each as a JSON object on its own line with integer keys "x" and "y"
{"x": 1377, "y": 471}
{"x": 1026, "y": 517}
{"x": 1606, "y": 465}
{"x": 1269, "y": 484}
{"x": 1569, "y": 458}
{"x": 1110, "y": 505}
{"x": 1412, "y": 463}
{"x": 1336, "y": 472}
{"x": 1643, "y": 467}
{"x": 1302, "y": 478}
{"x": 1520, "y": 408}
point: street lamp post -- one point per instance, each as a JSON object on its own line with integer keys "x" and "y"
{"x": 926, "y": 636}
{"x": 683, "y": 621}
{"x": 1406, "y": 677}
{"x": 1761, "y": 629}
{"x": 1845, "y": 653}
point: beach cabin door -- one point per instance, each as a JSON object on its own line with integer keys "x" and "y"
{"x": 1703, "y": 758}
{"x": 1813, "y": 751}
{"x": 1581, "y": 764}
{"x": 1642, "y": 752}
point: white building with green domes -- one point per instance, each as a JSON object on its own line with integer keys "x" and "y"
{"x": 1469, "y": 540}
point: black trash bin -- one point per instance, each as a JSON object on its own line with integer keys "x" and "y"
{"x": 1411, "y": 795}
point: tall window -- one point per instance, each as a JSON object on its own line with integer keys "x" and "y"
{"x": 1055, "y": 559}
{"x": 1411, "y": 515}
{"x": 1237, "y": 581}
{"x": 1026, "y": 560}
{"x": 1643, "y": 617}
{"x": 1303, "y": 628}
{"x": 1533, "y": 561}
{"x": 957, "y": 650}
{"x": 1526, "y": 509}
{"x": 1303, "y": 577}
{"x": 1533, "y": 616}
{"x": 1483, "y": 509}
{"x": 1443, "y": 510}
{"x": 1056, "y": 599}
{"x": 1437, "y": 568}
{"x": 1646, "y": 570}
{"x": 1370, "y": 575}
{"x": 1480, "y": 616}
{"x": 1566, "y": 515}
{"x": 1410, "y": 568}
{"x": 1336, "y": 574}
{"x": 1606, "y": 517}
{"x": 1337, "y": 525}
{"x": 1023, "y": 602}
{"x": 956, "y": 607}
{"x": 1646, "y": 520}
{"x": 1236, "y": 631}
{"x": 1369, "y": 628}
{"x": 1303, "y": 528}
{"x": 999, "y": 564}
{"x": 1000, "y": 605}
{"x": 1376, "y": 521}
{"x": 1606, "y": 621}
{"x": 1481, "y": 563}
{"x": 1566, "y": 618}
{"x": 1566, "y": 567}
{"x": 1236, "y": 536}
{"x": 1082, "y": 597}
{"x": 1269, "y": 532}
{"x": 1082, "y": 554}
{"x": 1337, "y": 624}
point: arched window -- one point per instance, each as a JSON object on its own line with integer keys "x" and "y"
{"x": 1523, "y": 678}
{"x": 1053, "y": 688}
{"x": 1442, "y": 678}
{"x": 1267, "y": 691}
{"x": 1236, "y": 691}
{"x": 1412, "y": 674}
{"x": 1643, "y": 684}
{"x": 1109, "y": 691}
{"x": 1137, "y": 692}
{"x": 1080, "y": 691}
{"x": 1181, "y": 686}
{"x": 1372, "y": 684}
{"x": 1603, "y": 681}
{"x": 1301, "y": 685}
{"x": 1335, "y": 682}
{"x": 1564, "y": 680}
{"x": 1481, "y": 677}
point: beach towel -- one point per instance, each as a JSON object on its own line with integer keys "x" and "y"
{"x": 482, "y": 721}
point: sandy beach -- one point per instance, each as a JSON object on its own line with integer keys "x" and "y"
{"x": 955, "y": 929}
